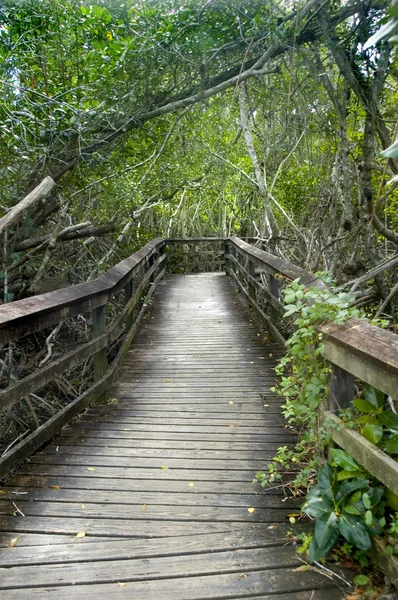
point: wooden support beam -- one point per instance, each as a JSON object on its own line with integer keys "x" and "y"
{"x": 100, "y": 361}
{"x": 341, "y": 389}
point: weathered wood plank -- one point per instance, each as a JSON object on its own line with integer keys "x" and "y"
{"x": 212, "y": 587}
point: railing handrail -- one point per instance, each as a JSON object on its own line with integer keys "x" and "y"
{"x": 22, "y": 317}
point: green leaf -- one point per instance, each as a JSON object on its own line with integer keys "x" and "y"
{"x": 373, "y": 432}
{"x": 390, "y": 420}
{"x": 353, "y": 529}
{"x": 361, "y": 580}
{"x": 349, "y": 487}
{"x": 352, "y": 510}
{"x": 366, "y": 500}
{"x": 341, "y": 475}
{"x": 326, "y": 479}
{"x": 375, "y": 397}
{"x": 363, "y": 406}
{"x": 317, "y": 505}
{"x": 368, "y": 518}
{"x": 344, "y": 460}
{"x": 325, "y": 529}
{"x": 317, "y": 552}
{"x": 391, "y": 446}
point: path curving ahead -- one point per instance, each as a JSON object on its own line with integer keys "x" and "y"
{"x": 150, "y": 497}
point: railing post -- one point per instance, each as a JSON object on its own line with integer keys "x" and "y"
{"x": 341, "y": 389}
{"x": 128, "y": 293}
{"x": 252, "y": 271}
{"x": 225, "y": 247}
{"x": 151, "y": 260}
{"x": 274, "y": 290}
{"x": 100, "y": 361}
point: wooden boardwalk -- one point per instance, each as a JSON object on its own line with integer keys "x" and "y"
{"x": 158, "y": 483}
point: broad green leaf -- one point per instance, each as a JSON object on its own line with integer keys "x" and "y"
{"x": 375, "y": 397}
{"x": 341, "y": 475}
{"x": 392, "y": 499}
{"x": 317, "y": 506}
{"x": 349, "y": 487}
{"x": 373, "y": 432}
{"x": 344, "y": 460}
{"x": 326, "y": 479}
{"x": 317, "y": 552}
{"x": 325, "y": 529}
{"x": 390, "y": 420}
{"x": 352, "y": 510}
{"x": 391, "y": 446}
{"x": 374, "y": 495}
{"x": 353, "y": 529}
{"x": 361, "y": 580}
{"x": 368, "y": 518}
{"x": 363, "y": 406}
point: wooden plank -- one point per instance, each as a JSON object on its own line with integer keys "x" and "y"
{"x": 125, "y": 549}
{"x": 153, "y": 568}
{"x": 92, "y": 481}
{"x": 149, "y": 497}
{"x": 156, "y": 474}
{"x": 212, "y": 587}
{"x": 153, "y": 512}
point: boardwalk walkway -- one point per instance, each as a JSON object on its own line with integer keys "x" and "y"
{"x": 157, "y": 484}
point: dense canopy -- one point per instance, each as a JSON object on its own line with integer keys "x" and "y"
{"x": 214, "y": 117}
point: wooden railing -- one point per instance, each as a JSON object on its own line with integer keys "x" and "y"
{"x": 136, "y": 278}
{"x": 355, "y": 349}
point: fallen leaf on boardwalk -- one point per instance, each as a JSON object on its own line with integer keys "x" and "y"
{"x": 56, "y": 487}
{"x": 265, "y": 405}
{"x": 230, "y": 402}
{"x": 241, "y": 576}
{"x": 252, "y": 362}
{"x": 126, "y": 429}
{"x": 355, "y": 596}
{"x": 121, "y": 584}
{"x": 251, "y": 510}
{"x": 144, "y": 507}
{"x": 302, "y": 568}
{"x": 83, "y": 506}
{"x": 2, "y": 492}
{"x": 167, "y": 380}
{"x": 90, "y": 469}
{"x": 233, "y": 425}
{"x": 164, "y": 467}
{"x": 270, "y": 355}
{"x": 296, "y": 514}
{"x": 292, "y": 520}
{"x": 81, "y": 535}
{"x": 191, "y": 484}
{"x": 271, "y": 527}
{"x": 265, "y": 339}
{"x": 12, "y": 543}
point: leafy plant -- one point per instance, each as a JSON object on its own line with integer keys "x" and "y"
{"x": 378, "y": 424}
{"x": 344, "y": 503}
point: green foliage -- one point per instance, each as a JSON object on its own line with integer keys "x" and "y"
{"x": 304, "y": 375}
{"x": 344, "y": 502}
